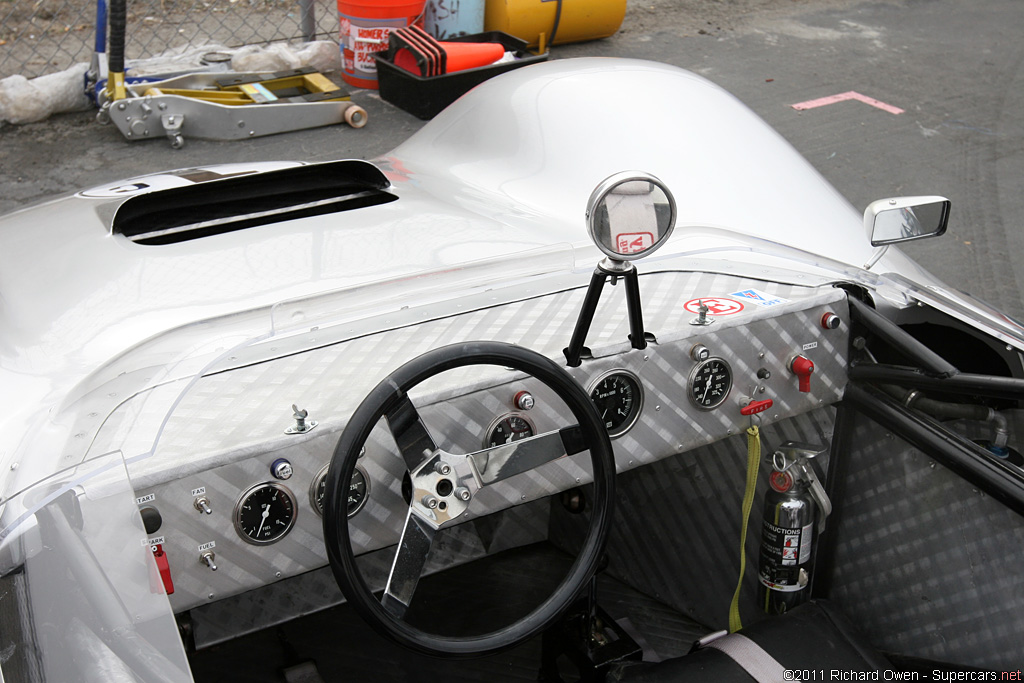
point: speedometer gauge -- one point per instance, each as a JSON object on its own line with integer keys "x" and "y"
{"x": 618, "y": 397}
{"x": 710, "y": 383}
{"x": 264, "y": 514}
{"x": 507, "y": 429}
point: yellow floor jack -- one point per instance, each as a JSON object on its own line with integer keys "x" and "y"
{"x": 228, "y": 106}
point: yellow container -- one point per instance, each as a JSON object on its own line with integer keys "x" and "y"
{"x": 533, "y": 20}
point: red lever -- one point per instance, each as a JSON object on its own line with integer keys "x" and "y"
{"x": 802, "y": 367}
{"x": 165, "y": 569}
{"x": 756, "y": 407}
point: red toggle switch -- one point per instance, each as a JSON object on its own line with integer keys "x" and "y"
{"x": 165, "y": 569}
{"x": 755, "y": 407}
{"x": 802, "y": 367}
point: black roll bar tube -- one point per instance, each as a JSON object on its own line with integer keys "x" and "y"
{"x": 891, "y": 333}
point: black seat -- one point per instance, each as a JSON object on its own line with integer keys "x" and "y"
{"x": 812, "y": 636}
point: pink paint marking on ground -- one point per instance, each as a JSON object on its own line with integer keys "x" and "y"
{"x": 842, "y": 97}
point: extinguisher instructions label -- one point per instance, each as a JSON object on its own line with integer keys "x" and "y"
{"x": 783, "y": 551}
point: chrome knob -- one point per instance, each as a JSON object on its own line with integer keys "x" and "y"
{"x": 281, "y": 469}
{"x": 524, "y": 400}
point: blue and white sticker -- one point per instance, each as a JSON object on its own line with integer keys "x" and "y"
{"x": 756, "y": 296}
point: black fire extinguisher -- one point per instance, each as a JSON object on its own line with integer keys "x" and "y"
{"x": 795, "y": 509}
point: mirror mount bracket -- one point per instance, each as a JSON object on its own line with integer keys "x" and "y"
{"x": 627, "y": 272}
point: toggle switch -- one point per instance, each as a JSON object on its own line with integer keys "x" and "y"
{"x": 207, "y": 558}
{"x": 802, "y": 367}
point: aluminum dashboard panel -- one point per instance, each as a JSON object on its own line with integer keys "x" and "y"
{"x": 228, "y": 429}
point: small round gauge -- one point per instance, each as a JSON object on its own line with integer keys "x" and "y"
{"x": 618, "y": 397}
{"x": 265, "y": 513}
{"x": 507, "y": 429}
{"x": 710, "y": 382}
{"x": 358, "y": 488}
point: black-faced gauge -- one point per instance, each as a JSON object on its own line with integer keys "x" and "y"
{"x": 358, "y": 488}
{"x": 618, "y": 397}
{"x": 508, "y": 428}
{"x": 265, "y": 513}
{"x": 710, "y": 382}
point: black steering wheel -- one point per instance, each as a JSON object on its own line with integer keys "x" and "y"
{"x": 444, "y": 485}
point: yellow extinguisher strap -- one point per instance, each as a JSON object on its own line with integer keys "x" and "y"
{"x": 753, "y": 462}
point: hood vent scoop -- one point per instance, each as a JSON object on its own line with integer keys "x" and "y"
{"x": 210, "y": 208}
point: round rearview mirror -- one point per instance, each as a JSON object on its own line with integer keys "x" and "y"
{"x": 630, "y": 214}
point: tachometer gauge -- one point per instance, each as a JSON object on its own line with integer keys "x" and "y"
{"x": 710, "y": 383}
{"x": 618, "y": 397}
{"x": 507, "y": 429}
{"x": 358, "y": 488}
{"x": 264, "y": 513}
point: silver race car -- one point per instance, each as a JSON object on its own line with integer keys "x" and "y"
{"x": 545, "y": 393}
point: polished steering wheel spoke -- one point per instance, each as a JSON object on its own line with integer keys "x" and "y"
{"x": 408, "y": 564}
{"x": 409, "y": 432}
{"x": 507, "y": 460}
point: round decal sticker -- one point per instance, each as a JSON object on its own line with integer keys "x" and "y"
{"x": 716, "y": 305}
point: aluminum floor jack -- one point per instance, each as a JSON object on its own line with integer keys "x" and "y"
{"x": 231, "y": 106}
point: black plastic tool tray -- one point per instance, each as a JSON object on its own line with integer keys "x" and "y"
{"x": 425, "y": 97}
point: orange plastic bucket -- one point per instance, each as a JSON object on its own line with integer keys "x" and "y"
{"x": 365, "y": 27}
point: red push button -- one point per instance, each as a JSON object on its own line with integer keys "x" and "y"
{"x": 165, "y": 569}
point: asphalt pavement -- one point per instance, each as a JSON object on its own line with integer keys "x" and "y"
{"x": 952, "y": 68}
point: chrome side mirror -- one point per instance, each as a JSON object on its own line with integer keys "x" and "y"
{"x": 902, "y": 219}
{"x": 630, "y": 214}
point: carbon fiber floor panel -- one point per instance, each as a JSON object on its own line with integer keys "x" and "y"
{"x": 346, "y": 649}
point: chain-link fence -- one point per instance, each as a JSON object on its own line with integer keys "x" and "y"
{"x": 38, "y": 37}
